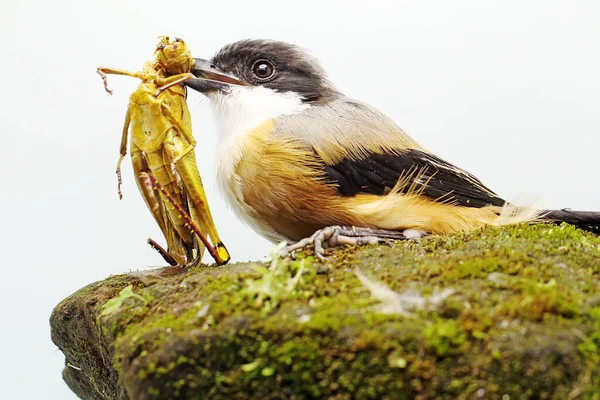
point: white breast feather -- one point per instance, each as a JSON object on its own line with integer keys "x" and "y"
{"x": 237, "y": 113}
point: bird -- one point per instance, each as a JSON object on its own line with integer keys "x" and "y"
{"x": 300, "y": 162}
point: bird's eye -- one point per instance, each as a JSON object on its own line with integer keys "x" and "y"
{"x": 263, "y": 70}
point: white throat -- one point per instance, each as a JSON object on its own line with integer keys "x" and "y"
{"x": 241, "y": 110}
{"x": 238, "y": 112}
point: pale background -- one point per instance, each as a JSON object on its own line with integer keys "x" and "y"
{"x": 508, "y": 90}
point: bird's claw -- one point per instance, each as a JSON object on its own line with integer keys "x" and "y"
{"x": 332, "y": 236}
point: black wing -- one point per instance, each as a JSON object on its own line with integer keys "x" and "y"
{"x": 424, "y": 173}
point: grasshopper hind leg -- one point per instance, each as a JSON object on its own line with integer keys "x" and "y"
{"x": 188, "y": 171}
{"x": 168, "y": 257}
{"x": 151, "y": 180}
{"x": 176, "y": 246}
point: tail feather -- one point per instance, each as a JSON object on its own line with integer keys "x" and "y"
{"x": 586, "y": 220}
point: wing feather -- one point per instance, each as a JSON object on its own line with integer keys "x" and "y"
{"x": 363, "y": 151}
{"x": 418, "y": 171}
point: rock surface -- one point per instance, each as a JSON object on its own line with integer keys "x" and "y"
{"x": 523, "y": 321}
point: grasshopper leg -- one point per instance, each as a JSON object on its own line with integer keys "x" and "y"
{"x": 188, "y": 171}
{"x": 103, "y": 71}
{"x": 104, "y": 81}
{"x": 123, "y": 150}
{"x": 191, "y": 224}
{"x": 171, "y": 258}
{"x": 160, "y": 212}
{"x": 185, "y": 164}
{"x": 174, "y": 80}
{"x": 152, "y": 202}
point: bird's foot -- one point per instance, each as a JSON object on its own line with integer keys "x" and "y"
{"x": 349, "y": 235}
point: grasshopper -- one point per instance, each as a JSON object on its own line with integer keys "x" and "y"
{"x": 162, "y": 146}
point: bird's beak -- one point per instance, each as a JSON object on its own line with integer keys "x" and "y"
{"x": 211, "y": 79}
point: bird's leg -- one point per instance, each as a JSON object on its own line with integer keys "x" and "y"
{"x": 349, "y": 235}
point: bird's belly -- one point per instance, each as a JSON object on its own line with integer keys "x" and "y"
{"x": 267, "y": 210}
{"x": 232, "y": 153}
{"x": 231, "y": 189}
{"x": 277, "y": 217}
{"x": 273, "y": 186}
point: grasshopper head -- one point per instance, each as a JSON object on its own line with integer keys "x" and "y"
{"x": 173, "y": 55}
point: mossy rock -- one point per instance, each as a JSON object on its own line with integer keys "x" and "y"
{"x": 523, "y": 323}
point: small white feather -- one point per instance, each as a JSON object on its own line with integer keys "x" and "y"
{"x": 512, "y": 213}
{"x": 401, "y": 303}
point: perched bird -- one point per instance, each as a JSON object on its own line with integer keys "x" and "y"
{"x": 301, "y": 162}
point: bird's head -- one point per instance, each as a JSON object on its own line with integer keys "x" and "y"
{"x": 272, "y": 66}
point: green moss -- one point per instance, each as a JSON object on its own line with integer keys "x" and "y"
{"x": 520, "y": 323}
{"x": 444, "y": 338}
